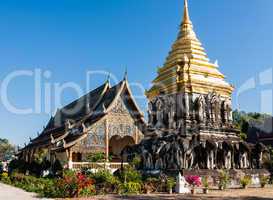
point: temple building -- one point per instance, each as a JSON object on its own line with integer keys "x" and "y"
{"x": 190, "y": 114}
{"x": 105, "y": 120}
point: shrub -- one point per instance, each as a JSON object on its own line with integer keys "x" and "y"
{"x": 57, "y": 168}
{"x": 45, "y": 164}
{"x": 135, "y": 163}
{"x": 34, "y": 168}
{"x": 18, "y": 166}
{"x": 205, "y": 182}
{"x": 245, "y": 181}
{"x": 28, "y": 183}
{"x": 50, "y": 190}
{"x": 105, "y": 181}
{"x": 264, "y": 180}
{"x": 1, "y": 167}
{"x": 223, "y": 179}
{"x": 102, "y": 176}
{"x": 5, "y": 178}
{"x": 130, "y": 188}
{"x": 129, "y": 174}
{"x": 194, "y": 180}
{"x": 170, "y": 183}
{"x": 151, "y": 184}
{"x": 95, "y": 157}
{"x": 131, "y": 180}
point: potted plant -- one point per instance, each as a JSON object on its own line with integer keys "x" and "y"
{"x": 193, "y": 181}
{"x": 170, "y": 184}
{"x": 245, "y": 181}
{"x": 223, "y": 180}
{"x": 205, "y": 183}
{"x": 264, "y": 180}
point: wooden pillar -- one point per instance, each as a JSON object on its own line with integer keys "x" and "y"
{"x": 106, "y": 140}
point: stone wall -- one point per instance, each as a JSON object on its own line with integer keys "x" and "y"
{"x": 235, "y": 175}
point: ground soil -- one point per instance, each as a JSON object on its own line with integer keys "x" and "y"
{"x": 12, "y": 193}
{"x": 231, "y": 194}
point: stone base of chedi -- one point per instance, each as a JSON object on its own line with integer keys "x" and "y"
{"x": 175, "y": 153}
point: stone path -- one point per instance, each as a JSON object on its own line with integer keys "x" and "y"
{"x": 11, "y": 193}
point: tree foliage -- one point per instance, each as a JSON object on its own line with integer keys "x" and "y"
{"x": 245, "y": 121}
{"x": 6, "y": 150}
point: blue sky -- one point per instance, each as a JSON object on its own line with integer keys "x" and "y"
{"x": 71, "y": 37}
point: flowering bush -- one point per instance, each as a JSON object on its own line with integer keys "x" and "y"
{"x": 4, "y": 175}
{"x": 70, "y": 185}
{"x": 194, "y": 180}
{"x": 5, "y": 178}
{"x": 75, "y": 185}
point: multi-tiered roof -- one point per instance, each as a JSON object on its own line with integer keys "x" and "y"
{"x": 188, "y": 68}
{"x": 84, "y": 112}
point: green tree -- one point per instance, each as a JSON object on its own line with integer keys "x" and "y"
{"x": 244, "y": 121}
{"x": 6, "y": 150}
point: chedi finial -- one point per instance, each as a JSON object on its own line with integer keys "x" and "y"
{"x": 186, "y": 18}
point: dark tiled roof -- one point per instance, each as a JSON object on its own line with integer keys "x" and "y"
{"x": 73, "y": 111}
{"x": 77, "y": 109}
{"x": 108, "y": 98}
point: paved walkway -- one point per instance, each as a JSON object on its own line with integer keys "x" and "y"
{"x": 11, "y": 193}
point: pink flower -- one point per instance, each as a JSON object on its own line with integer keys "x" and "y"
{"x": 194, "y": 180}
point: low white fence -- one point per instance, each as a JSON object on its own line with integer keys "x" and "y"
{"x": 95, "y": 166}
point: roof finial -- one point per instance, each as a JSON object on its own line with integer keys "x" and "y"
{"x": 186, "y": 18}
{"x": 126, "y": 74}
{"x": 108, "y": 78}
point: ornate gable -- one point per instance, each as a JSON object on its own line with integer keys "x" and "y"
{"x": 119, "y": 108}
{"x": 120, "y": 120}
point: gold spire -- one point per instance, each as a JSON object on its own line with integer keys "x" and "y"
{"x": 186, "y": 18}
{"x": 186, "y": 27}
{"x": 197, "y": 73}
